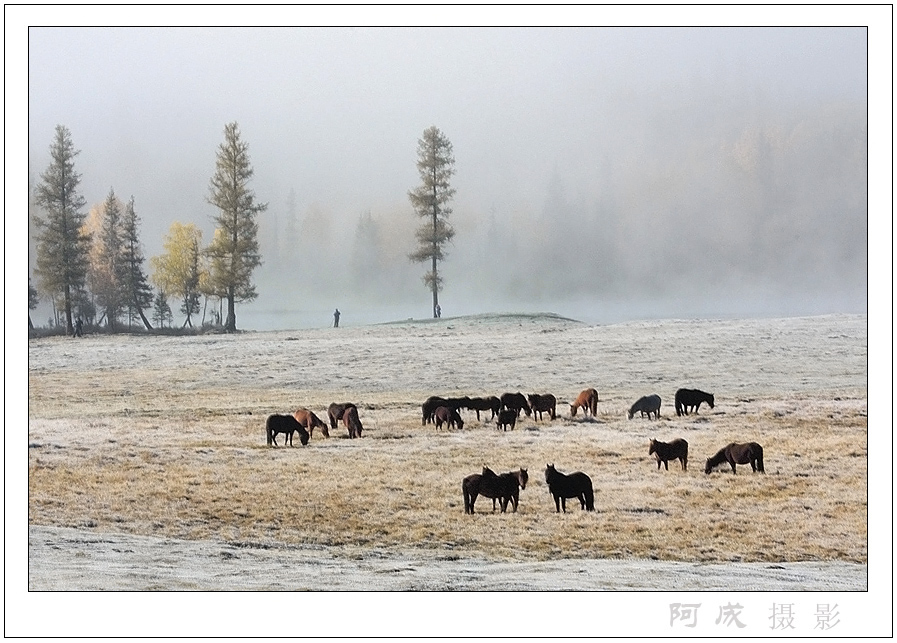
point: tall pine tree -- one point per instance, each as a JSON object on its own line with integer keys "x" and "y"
{"x": 62, "y": 245}
{"x": 430, "y": 200}
{"x": 138, "y": 293}
{"x": 234, "y": 251}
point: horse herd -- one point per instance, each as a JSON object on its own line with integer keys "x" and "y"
{"x": 505, "y": 487}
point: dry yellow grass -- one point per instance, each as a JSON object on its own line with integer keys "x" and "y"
{"x": 163, "y": 450}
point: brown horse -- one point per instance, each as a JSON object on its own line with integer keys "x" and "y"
{"x": 310, "y": 421}
{"x": 428, "y": 408}
{"x": 505, "y": 487}
{"x": 665, "y": 451}
{"x": 335, "y": 412}
{"x": 352, "y": 422}
{"x": 734, "y": 453}
{"x": 448, "y": 416}
{"x": 287, "y": 425}
{"x": 543, "y": 403}
{"x": 587, "y": 401}
{"x": 506, "y": 418}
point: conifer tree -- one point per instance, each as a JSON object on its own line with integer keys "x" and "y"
{"x": 430, "y": 200}
{"x": 234, "y": 251}
{"x": 62, "y": 245}
{"x": 138, "y": 294}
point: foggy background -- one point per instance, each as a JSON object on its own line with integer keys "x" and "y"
{"x": 602, "y": 173}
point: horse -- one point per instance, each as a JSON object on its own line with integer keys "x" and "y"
{"x": 287, "y": 425}
{"x": 484, "y": 404}
{"x": 587, "y": 401}
{"x": 335, "y": 412}
{"x": 543, "y": 403}
{"x": 448, "y": 416}
{"x": 687, "y": 398}
{"x": 506, "y": 418}
{"x": 429, "y": 407}
{"x": 352, "y": 422}
{"x": 734, "y": 453}
{"x": 574, "y": 485}
{"x": 648, "y": 404}
{"x": 665, "y": 451}
{"x": 515, "y": 401}
{"x": 309, "y": 420}
{"x": 505, "y": 487}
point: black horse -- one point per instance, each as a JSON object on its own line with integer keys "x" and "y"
{"x": 484, "y": 404}
{"x": 287, "y": 425}
{"x": 428, "y": 408}
{"x": 690, "y": 398}
{"x": 515, "y": 402}
{"x": 734, "y": 453}
{"x": 648, "y": 404}
{"x": 505, "y": 487}
{"x": 665, "y": 451}
{"x": 506, "y": 418}
{"x": 574, "y": 485}
{"x": 543, "y": 403}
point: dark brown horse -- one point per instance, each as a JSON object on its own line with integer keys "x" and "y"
{"x": 335, "y": 412}
{"x": 587, "y": 401}
{"x": 574, "y": 485}
{"x": 448, "y": 416}
{"x": 484, "y": 404}
{"x": 515, "y": 401}
{"x": 505, "y": 487}
{"x": 287, "y": 425}
{"x": 506, "y": 419}
{"x": 648, "y": 404}
{"x": 352, "y": 422}
{"x": 734, "y": 453}
{"x": 689, "y": 398}
{"x": 428, "y": 408}
{"x": 543, "y": 403}
{"x": 664, "y": 451}
{"x": 311, "y": 421}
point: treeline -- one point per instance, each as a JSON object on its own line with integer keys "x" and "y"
{"x": 92, "y": 268}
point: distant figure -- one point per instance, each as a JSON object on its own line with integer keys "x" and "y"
{"x": 78, "y": 327}
{"x": 438, "y": 310}
{"x": 336, "y": 318}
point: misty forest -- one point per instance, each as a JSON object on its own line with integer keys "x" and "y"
{"x": 692, "y": 199}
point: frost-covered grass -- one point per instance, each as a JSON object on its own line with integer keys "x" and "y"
{"x": 165, "y": 436}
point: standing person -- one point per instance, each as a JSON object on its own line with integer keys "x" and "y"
{"x": 438, "y": 310}
{"x": 336, "y": 318}
{"x": 78, "y": 327}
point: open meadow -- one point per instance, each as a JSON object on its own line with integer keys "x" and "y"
{"x": 159, "y": 443}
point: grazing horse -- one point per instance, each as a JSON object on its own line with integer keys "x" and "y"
{"x": 287, "y": 425}
{"x": 310, "y": 421}
{"x": 587, "y": 401}
{"x": 734, "y": 453}
{"x": 505, "y": 487}
{"x": 484, "y": 404}
{"x": 665, "y": 451}
{"x": 574, "y": 485}
{"x": 506, "y": 418}
{"x": 543, "y": 403}
{"x": 648, "y": 404}
{"x": 335, "y": 412}
{"x": 515, "y": 401}
{"x": 353, "y": 424}
{"x": 428, "y": 408}
{"x": 688, "y": 398}
{"x": 448, "y": 416}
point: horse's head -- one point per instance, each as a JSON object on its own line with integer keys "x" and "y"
{"x": 303, "y": 437}
{"x": 523, "y": 477}
{"x": 549, "y": 471}
{"x": 710, "y": 400}
{"x": 708, "y": 466}
{"x": 630, "y": 413}
{"x": 573, "y": 409}
{"x": 653, "y": 446}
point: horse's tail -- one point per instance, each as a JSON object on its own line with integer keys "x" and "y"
{"x": 760, "y": 459}
{"x": 268, "y": 432}
{"x": 468, "y": 505}
{"x": 590, "y": 498}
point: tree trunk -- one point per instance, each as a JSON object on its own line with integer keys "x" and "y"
{"x": 143, "y": 318}
{"x": 231, "y": 325}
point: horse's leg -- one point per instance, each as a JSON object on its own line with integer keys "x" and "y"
{"x": 557, "y": 504}
{"x": 684, "y": 461}
{"x": 666, "y": 465}
{"x": 564, "y": 504}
